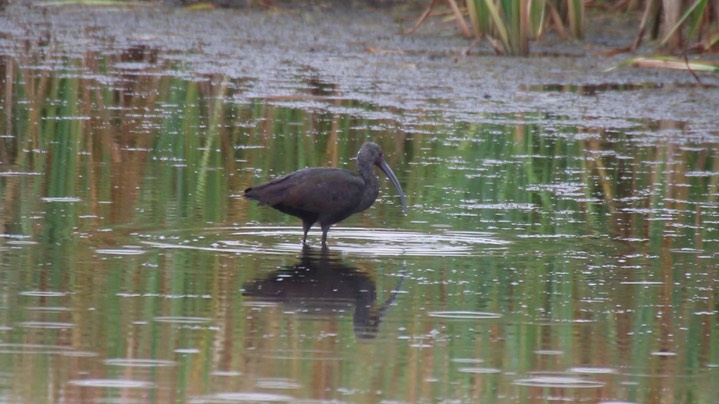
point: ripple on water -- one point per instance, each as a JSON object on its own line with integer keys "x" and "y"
{"x": 360, "y": 241}
{"x": 113, "y": 383}
{"x": 43, "y": 293}
{"x": 467, "y": 360}
{"x": 242, "y": 397}
{"x": 18, "y": 173}
{"x": 187, "y": 351}
{"x": 644, "y": 283}
{"x": 46, "y": 325}
{"x": 61, "y": 199}
{"x": 528, "y": 207}
{"x": 119, "y": 251}
{"x": 49, "y": 309}
{"x": 558, "y": 381}
{"x": 591, "y": 370}
{"x": 701, "y": 173}
{"x": 21, "y": 242}
{"x": 464, "y": 315}
{"x": 226, "y": 373}
{"x": 139, "y": 363}
{"x": 616, "y": 402}
{"x": 479, "y": 370}
{"x": 79, "y": 354}
{"x": 182, "y": 320}
{"x": 277, "y": 383}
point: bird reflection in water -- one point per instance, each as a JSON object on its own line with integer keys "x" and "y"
{"x": 321, "y": 284}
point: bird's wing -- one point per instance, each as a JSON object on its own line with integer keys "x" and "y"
{"x": 322, "y": 190}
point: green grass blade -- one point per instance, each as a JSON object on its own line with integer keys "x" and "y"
{"x": 498, "y": 22}
{"x": 679, "y": 23}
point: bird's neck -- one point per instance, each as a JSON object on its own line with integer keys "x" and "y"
{"x": 371, "y": 189}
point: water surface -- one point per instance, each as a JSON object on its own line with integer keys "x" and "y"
{"x": 543, "y": 258}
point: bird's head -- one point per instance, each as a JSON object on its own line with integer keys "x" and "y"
{"x": 372, "y": 153}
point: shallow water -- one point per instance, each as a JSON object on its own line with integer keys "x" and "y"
{"x": 545, "y": 257}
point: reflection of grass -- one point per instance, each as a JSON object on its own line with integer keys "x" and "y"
{"x": 179, "y": 158}
{"x": 197, "y": 155}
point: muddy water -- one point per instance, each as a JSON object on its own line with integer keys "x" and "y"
{"x": 545, "y": 256}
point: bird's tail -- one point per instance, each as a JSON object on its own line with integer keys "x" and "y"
{"x": 270, "y": 193}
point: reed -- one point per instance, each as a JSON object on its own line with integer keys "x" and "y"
{"x": 681, "y": 25}
{"x": 698, "y": 20}
{"x": 510, "y": 25}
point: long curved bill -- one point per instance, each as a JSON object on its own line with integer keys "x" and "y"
{"x": 390, "y": 174}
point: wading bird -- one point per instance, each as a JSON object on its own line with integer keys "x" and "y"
{"x": 327, "y": 195}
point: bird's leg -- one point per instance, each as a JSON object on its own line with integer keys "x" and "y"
{"x": 306, "y": 225}
{"x": 325, "y": 229}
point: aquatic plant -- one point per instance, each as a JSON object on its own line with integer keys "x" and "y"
{"x": 673, "y": 23}
{"x": 509, "y": 25}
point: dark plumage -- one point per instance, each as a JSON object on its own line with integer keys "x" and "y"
{"x": 327, "y": 195}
